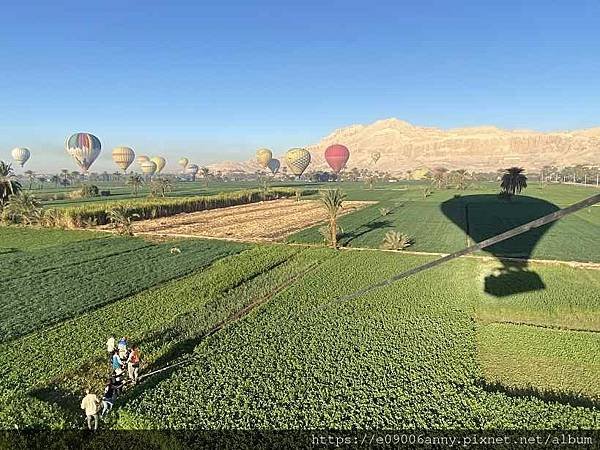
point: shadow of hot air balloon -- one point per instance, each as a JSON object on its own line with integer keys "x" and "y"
{"x": 485, "y": 216}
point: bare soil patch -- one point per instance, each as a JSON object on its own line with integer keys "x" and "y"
{"x": 256, "y": 222}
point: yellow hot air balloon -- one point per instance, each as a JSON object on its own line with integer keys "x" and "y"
{"x": 21, "y": 155}
{"x": 263, "y": 156}
{"x": 123, "y": 157}
{"x": 148, "y": 167}
{"x": 183, "y": 162}
{"x": 142, "y": 159}
{"x": 297, "y": 160}
{"x": 160, "y": 163}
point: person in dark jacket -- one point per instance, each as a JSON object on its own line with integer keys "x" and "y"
{"x": 108, "y": 399}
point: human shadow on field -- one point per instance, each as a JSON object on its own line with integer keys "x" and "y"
{"x": 484, "y": 216}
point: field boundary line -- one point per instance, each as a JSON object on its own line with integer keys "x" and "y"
{"x": 535, "y": 325}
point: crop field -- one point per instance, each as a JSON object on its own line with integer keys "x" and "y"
{"x": 268, "y": 221}
{"x": 255, "y": 335}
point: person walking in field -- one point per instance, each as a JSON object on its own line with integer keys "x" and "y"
{"x": 108, "y": 399}
{"x": 90, "y": 404}
{"x": 133, "y": 364}
{"x": 117, "y": 382}
{"x": 116, "y": 360}
{"x": 110, "y": 348}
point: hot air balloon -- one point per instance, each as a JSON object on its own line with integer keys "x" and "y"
{"x": 375, "y": 157}
{"x": 192, "y": 169}
{"x": 274, "y": 165}
{"x": 183, "y": 162}
{"x": 84, "y": 148}
{"x": 297, "y": 160}
{"x": 21, "y": 155}
{"x": 263, "y": 156}
{"x": 123, "y": 157}
{"x": 160, "y": 163}
{"x": 141, "y": 159}
{"x": 148, "y": 167}
{"x": 336, "y": 156}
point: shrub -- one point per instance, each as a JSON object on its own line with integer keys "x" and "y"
{"x": 395, "y": 240}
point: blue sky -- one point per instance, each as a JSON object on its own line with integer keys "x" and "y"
{"x": 214, "y": 80}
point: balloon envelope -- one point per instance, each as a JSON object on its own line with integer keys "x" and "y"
{"x": 297, "y": 160}
{"x": 337, "y": 156}
{"x": 375, "y": 156}
{"x": 21, "y": 155}
{"x": 84, "y": 148}
{"x": 141, "y": 159}
{"x": 263, "y": 156}
{"x": 160, "y": 163}
{"x": 123, "y": 157}
{"x": 148, "y": 167}
{"x": 183, "y": 162}
{"x": 274, "y": 165}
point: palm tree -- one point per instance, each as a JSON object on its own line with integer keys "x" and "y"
{"x": 122, "y": 220}
{"x": 461, "y": 178}
{"x": 135, "y": 181}
{"x": 8, "y": 185}
{"x": 205, "y": 174}
{"x": 440, "y": 177}
{"x": 513, "y": 181}
{"x": 161, "y": 186}
{"x": 332, "y": 200}
{"x": 22, "y": 208}
{"x": 55, "y": 179}
{"x": 30, "y": 177}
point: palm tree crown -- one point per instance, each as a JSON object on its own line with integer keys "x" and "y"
{"x": 8, "y": 185}
{"x": 513, "y": 181}
{"x": 332, "y": 200}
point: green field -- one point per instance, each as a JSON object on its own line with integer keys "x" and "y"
{"x": 254, "y": 335}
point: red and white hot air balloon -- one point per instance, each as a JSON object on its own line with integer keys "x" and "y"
{"x": 337, "y": 156}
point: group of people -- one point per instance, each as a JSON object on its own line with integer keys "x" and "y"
{"x": 120, "y": 357}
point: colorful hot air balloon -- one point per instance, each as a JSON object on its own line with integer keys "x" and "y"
{"x": 375, "y": 157}
{"x": 84, "y": 148}
{"x": 263, "y": 156}
{"x": 274, "y": 165}
{"x": 337, "y": 156}
{"x": 160, "y": 163}
{"x": 123, "y": 157}
{"x": 183, "y": 162}
{"x": 141, "y": 159}
{"x": 148, "y": 167}
{"x": 21, "y": 155}
{"x": 192, "y": 169}
{"x": 297, "y": 160}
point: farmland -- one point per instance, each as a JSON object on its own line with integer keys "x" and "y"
{"x": 253, "y": 335}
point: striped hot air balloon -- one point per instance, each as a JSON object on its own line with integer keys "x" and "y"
{"x": 148, "y": 167}
{"x": 84, "y": 148}
{"x": 142, "y": 159}
{"x": 274, "y": 165}
{"x": 297, "y": 160}
{"x": 263, "y": 156}
{"x": 183, "y": 162}
{"x": 160, "y": 163}
{"x": 21, "y": 155}
{"x": 337, "y": 156}
{"x": 123, "y": 157}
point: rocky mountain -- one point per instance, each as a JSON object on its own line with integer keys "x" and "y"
{"x": 404, "y": 146}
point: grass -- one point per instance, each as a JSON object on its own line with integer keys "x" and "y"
{"x": 65, "y": 281}
{"x": 164, "y": 321}
{"x": 568, "y": 299}
{"x": 556, "y": 364}
{"x": 13, "y": 238}
{"x": 403, "y": 357}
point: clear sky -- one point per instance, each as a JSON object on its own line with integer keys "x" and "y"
{"x": 215, "y": 79}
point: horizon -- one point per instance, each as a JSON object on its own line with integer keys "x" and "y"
{"x": 214, "y": 82}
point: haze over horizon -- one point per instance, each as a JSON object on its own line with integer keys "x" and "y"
{"x": 215, "y": 81}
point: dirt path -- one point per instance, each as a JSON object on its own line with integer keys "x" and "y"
{"x": 257, "y": 222}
